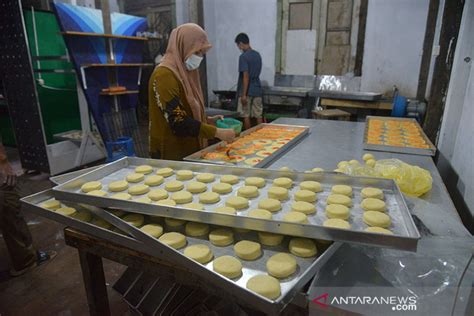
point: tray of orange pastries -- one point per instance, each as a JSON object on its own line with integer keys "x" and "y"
{"x": 254, "y": 148}
{"x": 394, "y": 134}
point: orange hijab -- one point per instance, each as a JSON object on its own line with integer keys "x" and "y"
{"x": 184, "y": 41}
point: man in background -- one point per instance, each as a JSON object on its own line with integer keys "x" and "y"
{"x": 249, "y": 89}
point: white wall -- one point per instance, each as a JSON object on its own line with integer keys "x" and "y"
{"x": 393, "y": 45}
{"x": 182, "y": 11}
{"x": 300, "y": 52}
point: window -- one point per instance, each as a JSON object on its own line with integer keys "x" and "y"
{"x": 300, "y": 16}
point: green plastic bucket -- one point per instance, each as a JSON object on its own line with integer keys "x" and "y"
{"x": 229, "y": 122}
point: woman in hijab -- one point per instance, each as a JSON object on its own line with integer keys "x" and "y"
{"x": 178, "y": 125}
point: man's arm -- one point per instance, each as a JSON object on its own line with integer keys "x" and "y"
{"x": 245, "y": 83}
{"x": 6, "y": 169}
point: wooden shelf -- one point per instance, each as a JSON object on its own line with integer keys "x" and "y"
{"x": 119, "y": 92}
{"x": 112, "y": 36}
{"x": 116, "y": 65}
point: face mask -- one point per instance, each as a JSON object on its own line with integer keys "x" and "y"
{"x": 193, "y": 62}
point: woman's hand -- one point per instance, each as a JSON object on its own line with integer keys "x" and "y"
{"x": 213, "y": 119}
{"x": 225, "y": 134}
{"x": 7, "y": 172}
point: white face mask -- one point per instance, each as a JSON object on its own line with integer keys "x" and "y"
{"x": 193, "y": 62}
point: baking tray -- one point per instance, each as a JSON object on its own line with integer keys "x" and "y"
{"x": 197, "y": 156}
{"x": 307, "y": 267}
{"x": 405, "y": 232}
{"x": 396, "y": 149}
{"x": 346, "y": 95}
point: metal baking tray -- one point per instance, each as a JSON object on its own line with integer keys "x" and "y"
{"x": 307, "y": 267}
{"x": 405, "y": 232}
{"x": 396, "y": 149}
{"x": 346, "y": 95}
{"x": 197, "y": 156}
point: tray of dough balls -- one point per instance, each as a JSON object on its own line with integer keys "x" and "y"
{"x": 324, "y": 205}
{"x": 254, "y": 148}
{"x": 262, "y": 268}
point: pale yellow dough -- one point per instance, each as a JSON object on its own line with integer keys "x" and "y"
{"x": 271, "y": 205}
{"x": 379, "y": 230}
{"x": 248, "y": 250}
{"x": 371, "y": 163}
{"x": 311, "y": 186}
{"x": 205, "y": 177}
{"x": 138, "y": 189}
{"x": 225, "y": 210}
{"x": 270, "y": 239}
{"x": 91, "y": 186}
{"x": 143, "y": 199}
{"x": 265, "y": 285}
{"x": 259, "y": 213}
{"x": 136, "y": 220}
{"x": 200, "y": 253}
{"x": 366, "y": 157}
{"x": 255, "y": 181}
{"x": 83, "y": 216}
{"x": 317, "y": 170}
{"x": 221, "y": 237}
{"x": 371, "y": 204}
{"x": 281, "y": 265}
{"x": 237, "y": 202}
{"x": 97, "y": 193}
{"x": 184, "y": 175}
{"x": 182, "y": 197}
{"x": 117, "y": 186}
{"x": 101, "y": 223}
{"x": 303, "y": 207}
{"x": 342, "y": 164}
{"x": 222, "y": 188}
{"x": 278, "y": 193}
{"x": 295, "y": 217}
{"x": 337, "y": 211}
{"x": 174, "y": 222}
{"x": 165, "y": 172}
{"x": 174, "y": 185}
{"x": 154, "y": 180}
{"x": 195, "y": 229}
{"x": 339, "y": 199}
{"x": 209, "y": 197}
{"x": 67, "y": 211}
{"x": 153, "y": 230}
{"x": 51, "y": 205}
{"x": 337, "y": 223}
{"x": 166, "y": 203}
{"x": 121, "y": 196}
{"x": 378, "y": 219}
{"x": 158, "y": 194}
{"x": 118, "y": 213}
{"x": 306, "y": 196}
{"x": 196, "y": 187}
{"x": 194, "y": 206}
{"x": 145, "y": 169}
{"x": 228, "y": 266}
{"x": 342, "y": 189}
{"x": 283, "y": 182}
{"x": 248, "y": 191}
{"x": 135, "y": 177}
{"x": 372, "y": 193}
{"x": 302, "y": 247}
{"x": 173, "y": 239}
{"x": 230, "y": 179}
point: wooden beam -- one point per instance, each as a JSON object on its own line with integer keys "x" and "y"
{"x": 364, "y": 4}
{"x": 451, "y": 23}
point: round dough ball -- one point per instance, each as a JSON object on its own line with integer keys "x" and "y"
{"x": 283, "y": 182}
{"x": 230, "y": 179}
{"x": 337, "y": 223}
{"x": 371, "y": 204}
{"x": 303, "y": 207}
{"x": 173, "y": 239}
{"x": 278, "y": 193}
{"x": 184, "y": 175}
{"x": 121, "y": 196}
{"x": 284, "y": 169}
{"x": 200, "y": 253}
{"x": 237, "y": 202}
{"x": 295, "y": 217}
{"x": 101, "y": 223}
{"x": 118, "y": 213}
{"x": 371, "y": 163}
{"x": 255, "y": 181}
{"x": 166, "y": 203}
{"x": 339, "y": 199}
{"x": 139, "y": 189}
{"x": 311, "y": 186}
{"x": 222, "y": 188}
{"x": 248, "y": 250}
{"x": 97, "y": 193}
{"x": 342, "y": 164}
{"x": 374, "y": 193}
{"x": 306, "y": 196}
{"x": 143, "y": 199}
{"x": 182, "y": 197}
{"x": 164, "y": 172}
{"x": 173, "y": 186}
{"x": 265, "y": 285}
{"x": 228, "y": 266}
{"x": 195, "y": 229}
{"x": 271, "y": 205}
{"x": 366, "y": 157}
{"x": 379, "y": 219}
{"x": 153, "y": 230}
{"x": 248, "y": 191}
{"x": 83, "y": 216}
{"x": 91, "y": 186}
{"x": 317, "y": 170}
{"x": 337, "y": 211}
{"x": 342, "y": 189}
{"x": 302, "y": 247}
{"x": 51, "y": 204}
{"x": 354, "y": 162}
{"x": 154, "y": 180}
{"x": 135, "y": 177}
{"x": 194, "y": 206}
{"x": 136, "y": 220}
{"x": 270, "y": 239}
{"x": 205, "y": 177}
{"x": 225, "y": 210}
{"x": 117, "y": 186}
{"x": 259, "y": 213}
{"x": 145, "y": 169}
{"x": 221, "y": 237}
{"x": 209, "y": 197}
{"x": 67, "y": 211}
{"x": 379, "y": 230}
{"x": 196, "y": 187}
{"x": 174, "y": 222}
{"x": 281, "y": 265}
{"x": 158, "y": 194}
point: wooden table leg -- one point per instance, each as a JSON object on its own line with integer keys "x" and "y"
{"x": 94, "y": 282}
